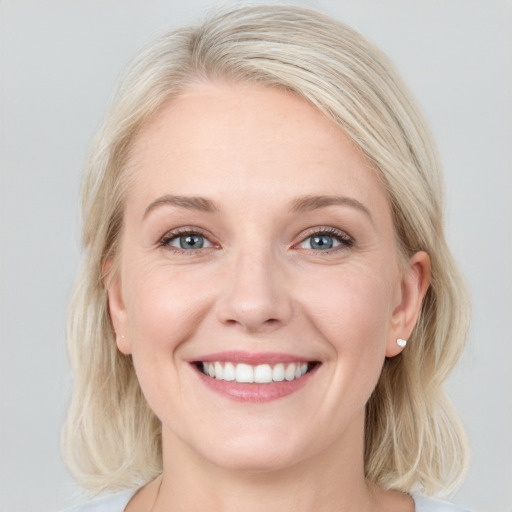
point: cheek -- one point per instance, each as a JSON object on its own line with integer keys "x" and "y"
{"x": 352, "y": 311}
{"x": 164, "y": 306}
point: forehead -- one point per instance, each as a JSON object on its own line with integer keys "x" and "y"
{"x": 214, "y": 138}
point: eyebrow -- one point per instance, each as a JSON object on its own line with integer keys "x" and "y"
{"x": 188, "y": 202}
{"x": 300, "y": 205}
{"x": 309, "y": 203}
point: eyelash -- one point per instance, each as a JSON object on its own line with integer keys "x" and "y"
{"x": 177, "y": 233}
{"x": 345, "y": 240}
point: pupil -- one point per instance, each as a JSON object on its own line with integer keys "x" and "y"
{"x": 322, "y": 242}
{"x": 191, "y": 242}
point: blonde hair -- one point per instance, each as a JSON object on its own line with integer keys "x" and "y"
{"x": 414, "y": 442}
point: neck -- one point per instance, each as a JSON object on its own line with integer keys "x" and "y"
{"x": 330, "y": 481}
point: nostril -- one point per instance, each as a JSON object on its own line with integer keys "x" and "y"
{"x": 253, "y": 310}
{"x": 258, "y": 325}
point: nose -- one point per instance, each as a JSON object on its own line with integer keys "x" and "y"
{"x": 255, "y": 293}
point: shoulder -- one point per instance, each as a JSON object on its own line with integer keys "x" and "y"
{"x": 111, "y": 503}
{"x": 424, "y": 504}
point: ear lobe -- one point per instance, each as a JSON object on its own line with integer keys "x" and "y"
{"x": 116, "y": 308}
{"x": 414, "y": 286}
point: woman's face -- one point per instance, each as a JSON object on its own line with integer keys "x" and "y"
{"x": 258, "y": 244}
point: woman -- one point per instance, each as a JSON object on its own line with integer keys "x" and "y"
{"x": 267, "y": 308}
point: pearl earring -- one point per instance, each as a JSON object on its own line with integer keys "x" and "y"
{"x": 401, "y": 343}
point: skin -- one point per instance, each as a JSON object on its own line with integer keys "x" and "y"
{"x": 259, "y": 285}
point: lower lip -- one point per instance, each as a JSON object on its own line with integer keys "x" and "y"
{"x": 253, "y": 392}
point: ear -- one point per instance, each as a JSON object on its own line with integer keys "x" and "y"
{"x": 413, "y": 287}
{"x": 116, "y": 307}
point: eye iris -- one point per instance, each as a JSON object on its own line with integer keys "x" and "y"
{"x": 191, "y": 242}
{"x": 322, "y": 242}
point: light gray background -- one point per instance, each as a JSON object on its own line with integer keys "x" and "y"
{"x": 59, "y": 62}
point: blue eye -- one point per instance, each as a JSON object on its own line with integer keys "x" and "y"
{"x": 187, "y": 241}
{"x": 320, "y": 242}
{"x": 326, "y": 241}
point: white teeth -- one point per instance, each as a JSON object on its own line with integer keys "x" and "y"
{"x": 278, "y": 373}
{"x": 244, "y": 373}
{"x": 289, "y": 373}
{"x": 229, "y": 371}
{"x": 261, "y": 374}
{"x": 219, "y": 371}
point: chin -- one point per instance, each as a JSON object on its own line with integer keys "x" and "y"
{"x": 253, "y": 454}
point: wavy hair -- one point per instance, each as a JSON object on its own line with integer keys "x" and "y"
{"x": 413, "y": 439}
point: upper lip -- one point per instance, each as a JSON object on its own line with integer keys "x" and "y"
{"x": 252, "y": 358}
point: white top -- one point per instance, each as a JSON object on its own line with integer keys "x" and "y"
{"x": 118, "y": 502}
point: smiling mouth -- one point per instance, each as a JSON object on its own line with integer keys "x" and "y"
{"x": 257, "y": 374}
